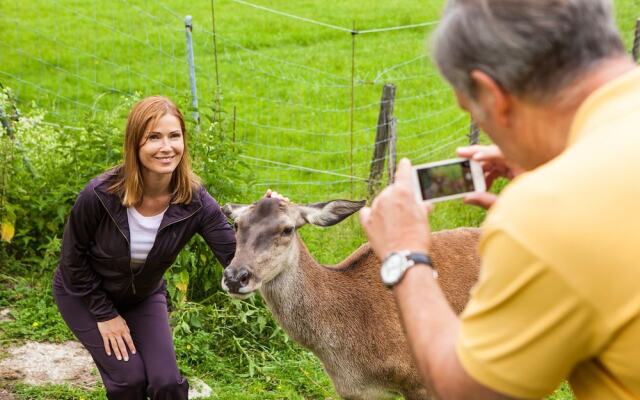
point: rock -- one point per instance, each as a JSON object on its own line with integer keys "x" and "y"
{"x": 38, "y": 363}
{"x": 6, "y": 395}
{"x": 5, "y": 315}
{"x": 198, "y": 389}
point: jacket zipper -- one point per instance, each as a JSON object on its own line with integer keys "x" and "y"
{"x": 133, "y": 284}
{"x": 156, "y": 240}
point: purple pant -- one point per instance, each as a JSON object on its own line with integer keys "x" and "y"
{"x": 151, "y": 372}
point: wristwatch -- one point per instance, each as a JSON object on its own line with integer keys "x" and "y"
{"x": 397, "y": 263}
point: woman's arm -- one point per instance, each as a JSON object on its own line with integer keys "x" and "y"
{"x": 78, "y": 278}
{"x": 216, "y": 230}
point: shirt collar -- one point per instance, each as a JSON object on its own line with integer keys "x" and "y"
{"x": 606, "y": 102}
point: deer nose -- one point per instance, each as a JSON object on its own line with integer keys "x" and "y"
{"x": 236, "y": 278}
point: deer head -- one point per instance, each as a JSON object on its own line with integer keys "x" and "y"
{"x": 267, "y": 239}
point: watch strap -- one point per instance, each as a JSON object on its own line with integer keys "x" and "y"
{"x": 419, "y": 258}
{"x": 413, "y": 258}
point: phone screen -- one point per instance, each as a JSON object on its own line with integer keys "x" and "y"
{"x": 445, "y": 180}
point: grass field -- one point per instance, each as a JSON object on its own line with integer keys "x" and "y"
{"x": 290, "y": 84}
{"x": 288, "y": 81}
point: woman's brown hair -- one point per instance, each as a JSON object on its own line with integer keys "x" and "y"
{"x": 128, "y": 183}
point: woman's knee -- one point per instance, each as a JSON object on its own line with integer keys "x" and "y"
{"x": 128, "y": 381}
{"x": 169, "y": 388}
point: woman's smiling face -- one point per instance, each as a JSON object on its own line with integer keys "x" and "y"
{"x": 162, "y": 148}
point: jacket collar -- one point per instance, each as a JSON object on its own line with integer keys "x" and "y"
{"x": 118, "y": 212}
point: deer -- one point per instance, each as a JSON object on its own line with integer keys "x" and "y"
{"x": 342, "y": 313}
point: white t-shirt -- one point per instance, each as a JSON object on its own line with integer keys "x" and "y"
{"x": 143, "y": 231}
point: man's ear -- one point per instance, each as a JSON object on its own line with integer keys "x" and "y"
{"x": 491, "y": 97}
{"x": 233, "y": 211}
{"x": 328, "y": 213}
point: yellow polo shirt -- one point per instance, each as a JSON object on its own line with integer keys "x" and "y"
{"x": 559, "y": 291}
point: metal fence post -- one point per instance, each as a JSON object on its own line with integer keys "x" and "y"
{"x": 188, "y": 25}
{"x": 5, "y": 122}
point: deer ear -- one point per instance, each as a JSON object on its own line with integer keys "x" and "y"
{"x": 233, "y": 211}
{"x": 328, "y": 213}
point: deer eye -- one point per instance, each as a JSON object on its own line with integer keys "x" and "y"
{"x": 287, "y": 231}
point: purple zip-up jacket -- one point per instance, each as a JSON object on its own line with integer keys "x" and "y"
{"x": 95, "y": 261}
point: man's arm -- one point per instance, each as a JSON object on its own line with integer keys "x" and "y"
{"x": 432, "y": 330}
{"x": 397, "y": 222}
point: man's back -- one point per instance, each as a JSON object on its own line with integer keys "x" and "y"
{"x": 559, "y": 292}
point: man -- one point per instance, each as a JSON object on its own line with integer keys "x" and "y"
{"x": 558, "y": 295}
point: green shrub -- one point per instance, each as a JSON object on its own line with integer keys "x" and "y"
{"x": 44, "y": 167}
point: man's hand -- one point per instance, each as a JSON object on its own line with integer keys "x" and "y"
{"x": 116, "y": 336}
{"x": 494, "y": 165}
{"x": 396, "y": 221}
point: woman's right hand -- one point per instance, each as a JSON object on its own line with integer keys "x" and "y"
{"x": 494, "y": 165}
{"x": 115, "y": 335}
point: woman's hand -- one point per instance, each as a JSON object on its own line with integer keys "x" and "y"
{"x": 115, "y": 335}
{"x": 276, "y": 195}
{"x": 494, "y": 165}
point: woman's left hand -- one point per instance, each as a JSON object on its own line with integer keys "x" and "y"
{"x": 276, "y": 195}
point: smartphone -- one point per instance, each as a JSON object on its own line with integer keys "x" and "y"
{"x": 448, "y": 179}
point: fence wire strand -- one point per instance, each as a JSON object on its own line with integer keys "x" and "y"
{"x": 275, "y": 127}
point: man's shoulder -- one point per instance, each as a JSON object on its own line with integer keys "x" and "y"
{"x": 533, "y": 193}
{"x": 542, "y": 209}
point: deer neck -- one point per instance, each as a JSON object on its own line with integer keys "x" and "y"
{"x": 296, "y": 296}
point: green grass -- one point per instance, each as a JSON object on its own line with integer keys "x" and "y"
{"x": 276, "y": 72}
{"x": 76, "y": 57}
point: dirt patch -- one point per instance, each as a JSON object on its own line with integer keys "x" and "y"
{"x": 37, "y": 363}
{"x": 6, "y": 395}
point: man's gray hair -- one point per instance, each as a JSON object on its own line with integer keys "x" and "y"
{"x": 531, "y": 48}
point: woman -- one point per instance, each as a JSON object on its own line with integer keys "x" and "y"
{"x": 125, "y": 229}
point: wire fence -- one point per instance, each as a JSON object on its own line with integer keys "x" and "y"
{"x": 303, "y": 91}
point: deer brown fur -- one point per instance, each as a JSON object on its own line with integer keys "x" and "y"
{"x": 347, "y": 318}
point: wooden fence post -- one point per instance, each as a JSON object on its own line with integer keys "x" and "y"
{"x": 636, "y": 42}
{"x": 474, "y": 133}
{"x": 385, "y": 119}
{"x": 393, "y": 139}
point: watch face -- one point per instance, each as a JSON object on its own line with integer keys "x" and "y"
{"x": 392, "y": 269}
